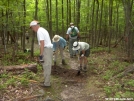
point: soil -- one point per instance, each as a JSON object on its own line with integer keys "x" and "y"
{"x": 76, "y": 87}
{"x": 66, "y": 85}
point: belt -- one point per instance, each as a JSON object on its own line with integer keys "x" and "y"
{"x": 47, "y": 47}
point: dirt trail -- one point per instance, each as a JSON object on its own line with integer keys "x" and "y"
{"x": 78, "y": 88}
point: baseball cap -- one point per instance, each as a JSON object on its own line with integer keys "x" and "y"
{"x": 71, "y": 23}
{"x": 33, "y": 23}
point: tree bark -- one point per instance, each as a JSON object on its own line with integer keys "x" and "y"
{"x": 31, "y": 67}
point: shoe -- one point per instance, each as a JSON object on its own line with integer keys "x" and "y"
{"x": 42, "y": 85}
{"x": 63, "y": 62}
{"x": 78, "y": 73}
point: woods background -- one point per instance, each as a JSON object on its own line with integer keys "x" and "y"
{"x": 105, "y": 23}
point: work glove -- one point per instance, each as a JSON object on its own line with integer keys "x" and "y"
{"x": 41, "y": 58}
{"x": 82, "y": 55}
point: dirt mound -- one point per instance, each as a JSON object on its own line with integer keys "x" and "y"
{"x": 67, "y": 73}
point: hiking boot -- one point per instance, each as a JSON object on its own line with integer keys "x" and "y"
{"x": 42, "y": 85}
{"x": 63, "y": 62}
{"x": 78, "y": 73}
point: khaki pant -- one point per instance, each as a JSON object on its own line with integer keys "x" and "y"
{"x": 47, "y": 57}
{"x": 56, "y": 53}
{"x": 71, "y": 41}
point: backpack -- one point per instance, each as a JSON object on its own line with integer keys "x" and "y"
{"x": 73, "y": 32}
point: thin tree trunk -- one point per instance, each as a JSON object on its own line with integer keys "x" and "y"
{"x": 96, "y": 30}
{"x": 78, "y": 12}
{"x": 33, "y": 35}
{"x": 62, "y": 10}
{"x": 56, "y": 16}
{"x": 24, "y": 15}
{"x": 100, "y": 24}
{"x": 127, "y": 10}
{"x": 110, "y": 24}
{"x": 92, "y": 35}
{"x": 50, "y": 19}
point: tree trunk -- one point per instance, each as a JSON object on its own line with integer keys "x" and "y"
{"x": 110, "y": 24}
{"x": 96, "y": 23}
{"x": 78, "y": 12}
{"x": 92, "y": 23}
{"x": 100, "y": 24}
{"x": 33, "y": 36}
{"x": 127, "y": 10}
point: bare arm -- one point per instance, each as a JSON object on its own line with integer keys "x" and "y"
{"x": 79, "y": 35}
{"x": 67, "y": 36}
{"x": 41, "y": 47}
{"x": 83, "y": 51}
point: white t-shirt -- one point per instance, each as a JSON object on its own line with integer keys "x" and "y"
{"x": 42, "y": 34}
{"x": 83, "y": 46}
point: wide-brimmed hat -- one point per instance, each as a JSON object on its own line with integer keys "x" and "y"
{"x": 56, "y": 38}
{"x": 33, "y": 23}
{"x": 76, "y": 46}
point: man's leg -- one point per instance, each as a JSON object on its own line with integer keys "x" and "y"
{"x": 70, "y": 48}
{"x": 62, "y": 56}
{"x": 87, "y": 52}
{"x": 55, "y": 56}
{"x": 48, "y": 52}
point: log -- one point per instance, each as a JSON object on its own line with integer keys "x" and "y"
{"x": 31, "y": 67}
{"x": 29, "y": 98}
{"x": 129, "y": 69}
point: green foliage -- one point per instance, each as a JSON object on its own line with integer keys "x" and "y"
{"x": 99, "y": 49}
{"x": 117, "y": 95}
{"x": 24, "y": 82}
{"x": 108, "y": 74}
{"x": 128, "y": 94}
{"x": 2, "y": 86}
{"x": 108, "y": 90}
{"x": 4, "y": 75}
{"x": 130, "y": 83}
{"x": 28, "y": 75}
{"x": 11, "y": 81}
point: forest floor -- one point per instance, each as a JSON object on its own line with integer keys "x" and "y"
{"x": 66, "y": 85}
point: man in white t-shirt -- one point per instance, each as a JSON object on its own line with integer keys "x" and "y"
{"x": 46, "y": 50}
{"x": 83, "y": 49}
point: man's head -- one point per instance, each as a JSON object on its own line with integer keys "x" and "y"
{"x": 71, "y": 24}
{"x": 34, "y": 25}
{"x": 56, "y": 38}
{"x": 76, "y": 46}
